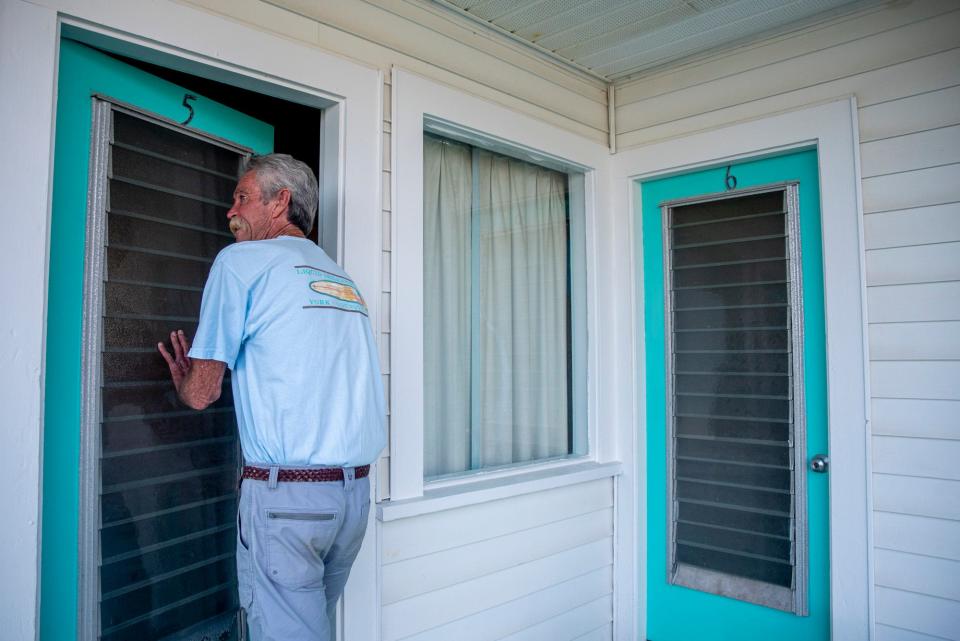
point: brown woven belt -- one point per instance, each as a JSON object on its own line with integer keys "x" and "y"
{"x": 320, "y": 474}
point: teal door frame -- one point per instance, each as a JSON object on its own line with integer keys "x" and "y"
{"x": 693, "y": 614}
{"x": 83, "y": 73}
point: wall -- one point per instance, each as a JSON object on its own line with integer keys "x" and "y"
{"x": 901, "y": 60}
{"x": 902, "y": 63}
{"x": 530, "y": 566}
{"x": 188, "y": 40}
{"x": 372, "y": 33}
{"x": 424, "y": 40}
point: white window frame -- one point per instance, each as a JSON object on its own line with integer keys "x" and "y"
{"x": 196, "y": 41}
{"x": 416, "y": 101}
{"x": 833, "y": 128}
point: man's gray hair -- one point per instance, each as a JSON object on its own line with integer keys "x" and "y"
{"x": 282, "y": 171}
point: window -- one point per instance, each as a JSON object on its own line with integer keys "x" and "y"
{"x": 499, "y": 322}
{"x": 447, "y": 325}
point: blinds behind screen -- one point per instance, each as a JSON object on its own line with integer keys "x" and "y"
{"x": 732, "y": 380}
{"x": 168, "y": 474}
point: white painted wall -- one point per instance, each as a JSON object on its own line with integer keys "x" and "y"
{"x": 533, "y": 565}
{"x": 488, "y": 556}
{"x": 289, "y": 47}
{"x": 193, "y": 41}
{"x": 423, "y": 39}
{"x": 902, "y": 63}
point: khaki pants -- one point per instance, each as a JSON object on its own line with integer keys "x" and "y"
{"x": 295, "y": 545}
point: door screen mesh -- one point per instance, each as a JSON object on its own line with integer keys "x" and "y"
{"x": 732, "y": 378}
{"x": 168, "y": 474}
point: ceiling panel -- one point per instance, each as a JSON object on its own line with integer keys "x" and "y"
{"x": 533, "y": 20}
{"x": 611, "y": 39}
{"x": 553, "y": 22}
{"x": 701, "y": 33}
{"x": 608, "y": 22}
{"x": 641, "y": 27}
{"x": 496, "y": 10}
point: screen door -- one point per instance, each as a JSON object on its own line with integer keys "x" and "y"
{"x": 167, "y": 474}
{"x": 735, "y": 390}
{"x": 144, "y": 547}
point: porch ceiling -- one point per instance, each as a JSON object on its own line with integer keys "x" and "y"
{"x": 615, "y": 39}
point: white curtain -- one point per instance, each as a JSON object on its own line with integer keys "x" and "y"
{"x": 446, "y": 300}
{"x": 523, "y": 322}
{"x": 495, "y": 280}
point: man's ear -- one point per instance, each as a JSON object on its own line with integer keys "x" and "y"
{"x": 282, "y": 201}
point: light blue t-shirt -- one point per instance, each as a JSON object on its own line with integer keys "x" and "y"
{"x": 294, "y": 331}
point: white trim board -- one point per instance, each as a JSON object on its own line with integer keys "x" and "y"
{"x": 197, "y": 42}
{"x": 28, "y": 55}
{"x": 448, "y": 498}
{"x": 833, "y": 128}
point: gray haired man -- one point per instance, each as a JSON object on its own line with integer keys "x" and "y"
{"x": 294, "y": 331}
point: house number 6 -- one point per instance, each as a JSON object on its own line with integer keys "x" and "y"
{"x": 730, "y": 180}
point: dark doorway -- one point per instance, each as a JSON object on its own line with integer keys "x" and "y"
{"x": 296, "y": 126}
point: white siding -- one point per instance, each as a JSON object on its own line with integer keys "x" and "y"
{"x": 921, "y": 226}
{"x": 917, "y": 496}
{"x": 891, "y": 633}
{"x": 885, "y": 54}
{"x": 539, "y": 566}
{"x": 534, "y": 566}
{"x": 918, "y": 613}
{"x": 902, "y": 62}
{"x": 914, "y": 303}
{"x": 383, "y": 33}
{"x": 898, "y": 417}
{"x": 918, "y": 573}
{"x": 915, "y": 341}
{"x": 917, "y": 534}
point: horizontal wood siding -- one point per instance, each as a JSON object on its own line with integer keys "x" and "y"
{"x": 915, "y": 613}
{"x": 887, "y": 53}
{"x": 422, "y": 39}
{"x": 382, "y": 33}
{"x": 917, "y": 534}
{"x": 534, "y": 566}
{"x": 902, "y": 62}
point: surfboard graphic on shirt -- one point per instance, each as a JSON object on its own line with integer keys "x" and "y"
{"x": 328, "y": 290}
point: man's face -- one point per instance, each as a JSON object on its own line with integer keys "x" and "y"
{"x": 250, "y": 218}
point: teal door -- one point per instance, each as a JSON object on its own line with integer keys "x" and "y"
{"x": 735, "y": 386}
{"x": 138, "y": 494}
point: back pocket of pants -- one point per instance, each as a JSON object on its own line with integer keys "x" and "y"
{"x": 297, "y": 541}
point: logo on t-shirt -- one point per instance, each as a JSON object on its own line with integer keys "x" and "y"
{"x": 331, "y": 290}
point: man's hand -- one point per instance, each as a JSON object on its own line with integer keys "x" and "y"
{"x": 179, "y": 363}
{"x": 198, "y": 381}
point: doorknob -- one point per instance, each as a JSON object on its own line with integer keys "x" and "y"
{"x": 820, "y": 463}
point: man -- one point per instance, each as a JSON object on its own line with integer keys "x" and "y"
{"x": 294, "y": 331}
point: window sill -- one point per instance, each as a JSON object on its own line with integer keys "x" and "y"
{"x": 482, "y": 491}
